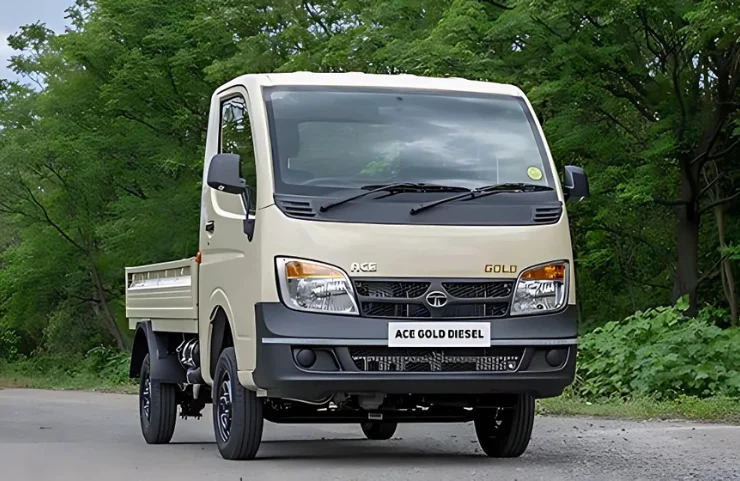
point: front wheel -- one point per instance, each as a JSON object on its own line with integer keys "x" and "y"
{"x": 378, "y": 430}
{"x": 157, "y": 407}
{"x": 237, "y": 412}
{"x": 505, "y": 433}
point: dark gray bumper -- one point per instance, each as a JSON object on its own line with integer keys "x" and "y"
{"x": 281, "y": 332}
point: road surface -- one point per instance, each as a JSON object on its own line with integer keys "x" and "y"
{"x": 59, "y": 436}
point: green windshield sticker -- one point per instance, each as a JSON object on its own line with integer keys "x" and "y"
{"x": 534, "y": 173}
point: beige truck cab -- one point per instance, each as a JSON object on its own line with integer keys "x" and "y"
{"x": 374, "y": 249}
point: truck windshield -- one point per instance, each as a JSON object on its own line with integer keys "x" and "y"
{"x": 327, "y": 139}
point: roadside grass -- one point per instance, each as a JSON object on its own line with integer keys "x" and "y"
{"x": 101, "y": 369}
{"x": 78, "y": 382}
{"x": 713, "y": 409}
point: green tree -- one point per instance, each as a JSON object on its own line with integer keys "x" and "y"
{"x": 645, "y": 94}
{"x": 101, "y": 157}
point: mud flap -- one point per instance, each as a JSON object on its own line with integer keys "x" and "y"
{"x": 165, "y": 367}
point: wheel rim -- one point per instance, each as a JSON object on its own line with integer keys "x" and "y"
{"x": 224, "y": 408}
{"x": 146, "y": 397}
{"x": 493, "y": 426}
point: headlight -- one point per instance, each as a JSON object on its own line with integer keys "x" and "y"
{"x": 541, "y": 289}
{"x": 312, "y": 286}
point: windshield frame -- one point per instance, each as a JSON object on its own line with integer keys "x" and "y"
{"x": 280, "y": 187}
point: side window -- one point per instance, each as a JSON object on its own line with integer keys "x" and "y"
{"x": 236, "y": 138}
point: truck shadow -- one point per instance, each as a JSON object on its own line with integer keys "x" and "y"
{"x": 405, "y": 453}
{"x": 356, "y": 451}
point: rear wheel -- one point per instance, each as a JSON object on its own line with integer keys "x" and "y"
{"x": 237, "y": 412}
{"x": 378, "y": 430}
{"x": 505, "y": 433}
{"x": 157, "y": 407}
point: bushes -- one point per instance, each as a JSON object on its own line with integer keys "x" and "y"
{"x": 68, "y": 330}
{"x": 110, "y": 364}
{"x": 9, "y": 342}
{"x": 660, "y": 353}
{"x": 100, "y": 367}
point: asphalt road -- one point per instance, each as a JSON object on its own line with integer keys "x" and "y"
{"x": 59, "y": 436}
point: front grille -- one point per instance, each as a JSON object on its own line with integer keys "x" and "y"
{"x": 383, "y": 359}
{"x": 406, "y": 299}
{"x": 391, "y": 289}
{"x": 480, "y": 290}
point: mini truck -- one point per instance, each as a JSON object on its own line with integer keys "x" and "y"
{"x": 374, "y": 249}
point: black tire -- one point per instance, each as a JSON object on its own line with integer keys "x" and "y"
{"x": 505, "y": 433}
{"x": 237, "y": 412}
{"x": 157, "y": 407}
{"x": 378, "y": 430}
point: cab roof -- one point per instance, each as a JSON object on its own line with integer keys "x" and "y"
{"x": 359, "y": 79}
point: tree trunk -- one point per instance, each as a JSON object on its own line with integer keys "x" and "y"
{"x": 687, "y": 270}
{"x": 109, "y": 321}
{"x": 728, "y": 279}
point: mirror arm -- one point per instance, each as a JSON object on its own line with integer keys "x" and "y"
{"x": 568, "y": 189}
{"x": 248, "y": 223}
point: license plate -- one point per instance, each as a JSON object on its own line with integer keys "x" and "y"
{"x": 439, "y": 334}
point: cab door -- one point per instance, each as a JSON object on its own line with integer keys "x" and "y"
{"x": 229, "y": 277}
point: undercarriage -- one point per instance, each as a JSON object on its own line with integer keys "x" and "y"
{"x": 409, "y": 408}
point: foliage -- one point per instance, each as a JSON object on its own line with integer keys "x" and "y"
{"x": 111, "y": 365}
{"x": 662, "y": 353}
{"x": 99, "y": 368}
{"x": 640, "y": 407}
{"x": 9, "y": 341}
{"x": 101, "y": 144}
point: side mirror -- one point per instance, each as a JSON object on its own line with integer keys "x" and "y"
{"x": 224, "y": 174}
{"x": 575, "y": 185}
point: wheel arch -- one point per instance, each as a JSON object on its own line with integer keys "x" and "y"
{"x": 138, "y": 352}
{"x": 221, "y": 336}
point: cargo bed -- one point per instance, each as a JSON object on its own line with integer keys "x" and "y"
{"x": 165, "y": 293}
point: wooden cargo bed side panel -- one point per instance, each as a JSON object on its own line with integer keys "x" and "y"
{"x": 166, "y": 294}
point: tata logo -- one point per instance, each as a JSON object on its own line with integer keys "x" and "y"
{"x": 363, "y": 267}
{"x": 437, "y": 299}
{"x": 500, "y": 269}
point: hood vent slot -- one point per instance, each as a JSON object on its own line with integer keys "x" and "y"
{"x": 297, "y": 208}
{"x": 547, "y": 215}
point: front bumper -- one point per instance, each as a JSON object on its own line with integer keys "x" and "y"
{"x": 282, "y": 332}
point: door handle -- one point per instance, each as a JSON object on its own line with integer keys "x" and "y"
{"x": 210, "y": 226}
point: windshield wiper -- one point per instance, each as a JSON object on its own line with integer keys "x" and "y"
{"x": 395, "y": 189}
{"x": 483, "y": 192}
